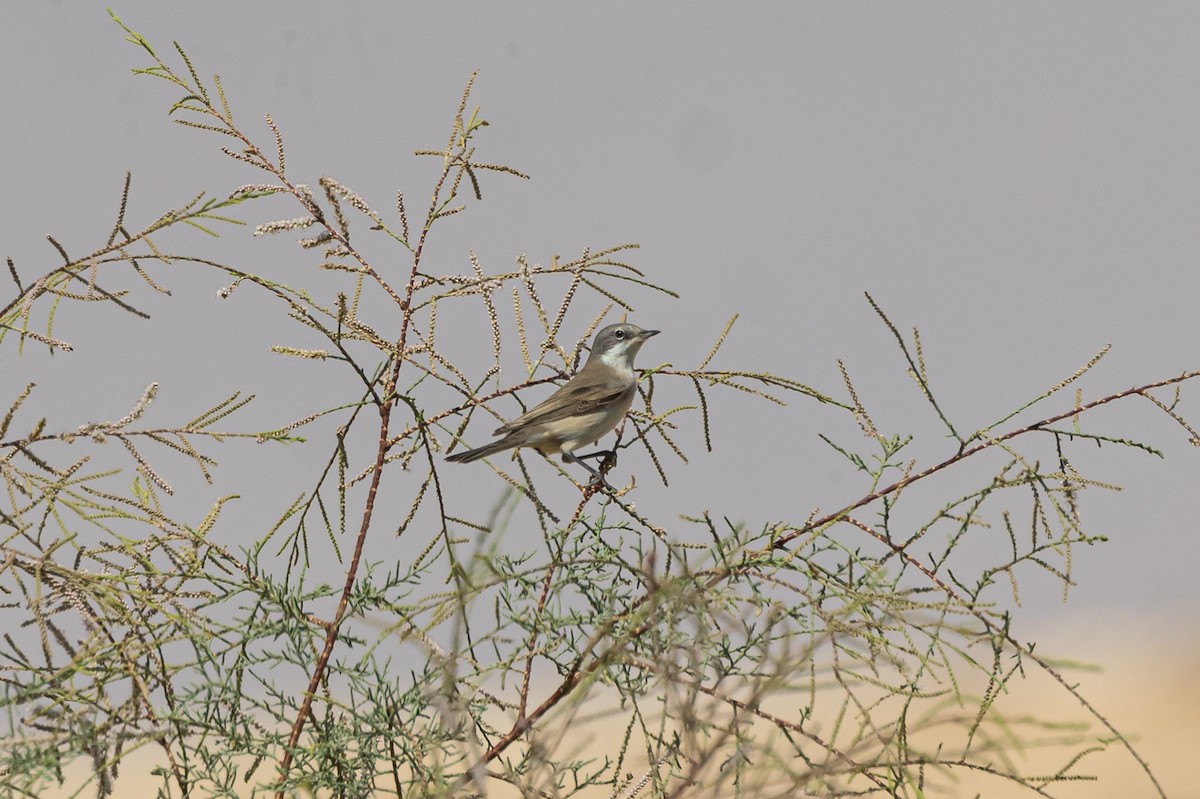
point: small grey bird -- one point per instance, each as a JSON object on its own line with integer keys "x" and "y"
{"x": 589, "y": 405}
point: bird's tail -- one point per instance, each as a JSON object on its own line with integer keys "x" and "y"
{"x": 483, "y": 452}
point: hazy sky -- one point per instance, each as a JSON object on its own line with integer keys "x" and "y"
{"x": 1021, "y": 181}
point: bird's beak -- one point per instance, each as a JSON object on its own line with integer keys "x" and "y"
{"x": 645, "y": 334}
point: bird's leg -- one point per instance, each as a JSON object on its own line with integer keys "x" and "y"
{"x": 597, "y": 477}
{"x": 600, "y": 453}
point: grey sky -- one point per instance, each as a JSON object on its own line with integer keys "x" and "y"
{"x": 1021, "y": 181}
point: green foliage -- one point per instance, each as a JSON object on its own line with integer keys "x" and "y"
{"x": 848, "y": 654}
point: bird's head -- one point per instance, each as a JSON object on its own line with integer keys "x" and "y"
{"x": 616, "y": 345}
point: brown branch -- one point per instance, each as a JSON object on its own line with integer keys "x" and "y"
{"x": 782, "y": 541}
{"x": 385, "y": 413}
{"x": 334, "y": 627}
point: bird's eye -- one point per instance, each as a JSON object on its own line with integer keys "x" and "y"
{"x": 619, "y": 333}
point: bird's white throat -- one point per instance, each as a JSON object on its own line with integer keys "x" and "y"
{"x": 620, "y": 360}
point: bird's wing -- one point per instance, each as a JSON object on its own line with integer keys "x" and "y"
{"x": 578, "y": 396}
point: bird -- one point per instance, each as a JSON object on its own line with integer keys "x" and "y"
{"x": 584, "y": 409}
